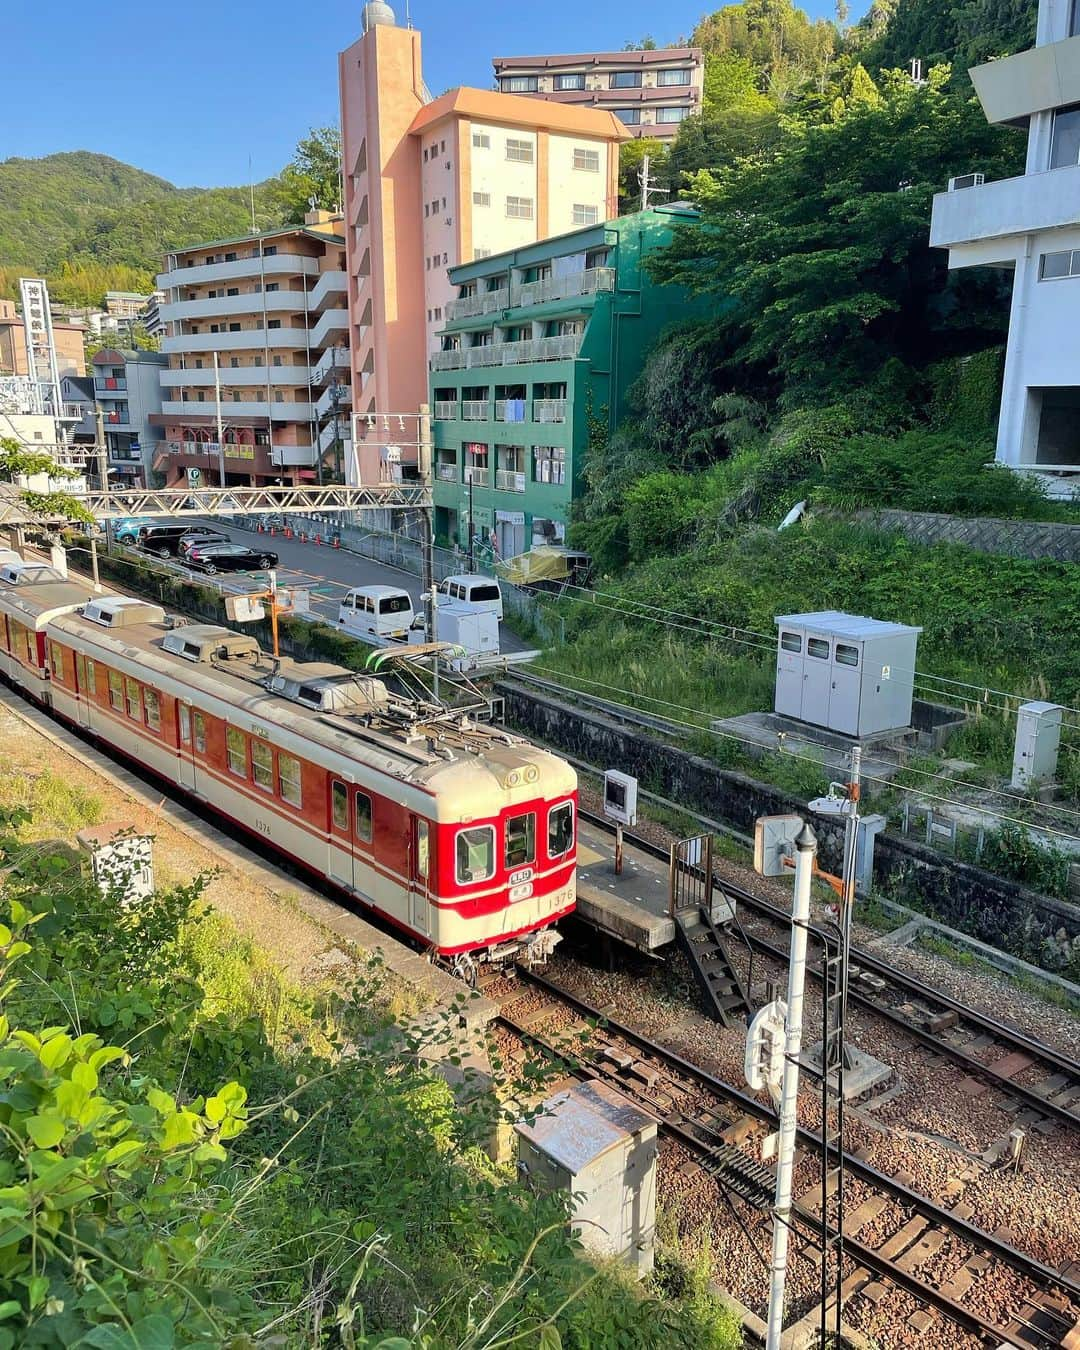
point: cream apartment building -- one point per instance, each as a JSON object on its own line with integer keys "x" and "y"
{"x": 431, "y": 183}
{"x": 271, "y": 308}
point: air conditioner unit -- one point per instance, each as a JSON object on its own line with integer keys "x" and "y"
{"x": 966, "y": 180}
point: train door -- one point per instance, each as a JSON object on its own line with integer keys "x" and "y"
{"x": 82, "y": 696}
{"x": 186, "y": 763}
{"x": 419, "y": 876}
{"x": 341, "y": 850}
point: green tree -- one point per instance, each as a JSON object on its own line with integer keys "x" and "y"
{"x": 783, "y": 45}
{"x": 822, "y": 245}
{"x": 314, "y": 171}
{"x": 19, "y": 466}
{"x": 631, "y": 155}
{"x": 962, "y": 32}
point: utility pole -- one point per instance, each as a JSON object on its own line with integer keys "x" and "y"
{"x": 805, "y": 851}
{"x": 472, "y": 567}
{"x": 647, "y": 186}
{"x": 103, "y": 475}
{"x": 220, "y": 425}
{"x": 427, "y": 516}
{"x": 847, "y": 891}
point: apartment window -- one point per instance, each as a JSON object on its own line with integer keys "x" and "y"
{"x": 134, "y": 701}
{"x": 152, "y": 709}
{"x": 1065, "y": 146}
{"x": 445, "y": 258}
{"x": 438, "y": 311}
{"x": 435, "y": 207}
{"x": 198, "y": 363}
{"x": 234, "y": 362}
{"x": 200, "y": 732}
{"x": 214, "y": 328}
{"x": 481, "y": 140}
{"x": 262, "y": 765}
{"x": 269, "y": 252}
{"x": 362, "y": 817}
{"x": 235, "y": 290}
{"x": 481, "y": 199}
{"x": 519, "y": 84}
{"x": 277, "y": 360}
{"x": 262, "y": 437}
{"x": 425, "y": 154}
{"x": 666, "y": 78}
{"x": 519, "y": 208}
{"x": 272, "y": 323}
{"x": 521, "y": 151}
{"x": 588, "y": 160}
{"x": 427, "y": 210}
{"x": 230, "y": 257}
{"x": 442, "y": 147}
{"x": 289, "y": 779}
{"x": 481, "y": 253}
{"x": 200, "y": 397}
{"x": 1055, "y": 266}
{"x": 273, "y": 285}
{"x": 670, "y": 114}
{"x": 279, "y": 396}
{"x": 569, "y": 82}
{"x": 236, "y": 750}
{"x": 444, "y": 203}
{"x": 236, "y": 396}
{"x": 625, "y": 79}
{"x": 628, "y": 116}
{"x": 234, "y": 328}
{"x": 585, "y": 215}
{"x": 549, "y": 464}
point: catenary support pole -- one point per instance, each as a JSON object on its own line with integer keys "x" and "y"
{"x": 805, "y": 850}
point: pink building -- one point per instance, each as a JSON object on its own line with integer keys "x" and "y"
{"x": 430, "y": 183}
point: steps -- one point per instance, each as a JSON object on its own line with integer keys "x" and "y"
{"x": 707, "y": 951}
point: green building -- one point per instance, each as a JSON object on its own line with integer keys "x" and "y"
{"x": 540, "y": 340}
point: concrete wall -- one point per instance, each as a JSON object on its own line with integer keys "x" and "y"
{"x": 1013, "y": 538}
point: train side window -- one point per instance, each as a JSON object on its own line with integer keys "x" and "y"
{"x": 152, "y": 708}
{"x": 339, "y": 804}
{"x": 134, "y": 699}
{"x": 91, "y": 677}
{"x": 475, "y": 854}
{"x": 80, "y": 672}
{"x": 200, "y": 732}
{"x": 521, "y": 839}
{"x": 262, "y": 765}
{"x": 423, "y": 850}
{"x": 362, "y": 816}
{"x": 236, "y": 751}
{"x": 56, "y": 656}
{"x": 185, "y": 724}
{"x": 289, "y": 779}
{"x": 560, "y": 829}
{"x": 116, "y": 691}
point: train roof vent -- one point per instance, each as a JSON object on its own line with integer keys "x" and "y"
{"x": 29, "y": 574}
{"x": 122, "y": 611}
{"x": 203, "y": 642}
{"x": 328, "y": 689}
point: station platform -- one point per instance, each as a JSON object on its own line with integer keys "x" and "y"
{"x": 632, "y": 907}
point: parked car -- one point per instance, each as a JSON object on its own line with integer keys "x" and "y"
{"x": 213, "y": 558}
{"x": 126, "y": 530}
{"x": 162, "y": 540}
{"x": 379, "y": 611}
{"x": 480, "y": 593}
{"x": 201, "y": 538}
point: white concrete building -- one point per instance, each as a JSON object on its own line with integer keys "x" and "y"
{"x": 1032, "y": 225}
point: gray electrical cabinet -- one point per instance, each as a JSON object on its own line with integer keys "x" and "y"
{"x": 1038, "y": 738}
{"x": 845, "y": 672}
{"x": 596, "y": 1146}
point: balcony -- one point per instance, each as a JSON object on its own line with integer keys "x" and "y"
{"x": 330, "y": 286}
{"x": 446, "y": 410}
{"x": 1047, "y": 76}
{"x": 106, "y": 384}
{"x": 589, "y": 282}
{"x": 509, "y": 480}
{"x": 511, "y": 409}
{"x": 277, "y": 412}
{"x": 246, "y": 340}
{"x": 327, "y": 436}
{"x": 549, "y": 410}
{"x": 296, "y": 456}
{"x": 476, "y": 476}
{"x": 252, "y": 302}
{"x": 1010, "y": 206}
{"x": 469, "y": 306}
{"x": 475, "y": 409}
{"x": 281, "y": 264}
{"x": 117, "y": 419}
{"x": 446, "y": 473}
{"x": 333, "y": 357}
{"x": 293, "y": 376}
{"x": 333, "y": 321}
{"x": 339, "y": 395}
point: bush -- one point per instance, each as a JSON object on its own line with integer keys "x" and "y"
{"x": 1011, "y": 851}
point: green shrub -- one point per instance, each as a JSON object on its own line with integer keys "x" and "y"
{"x": 1013, "y": 852}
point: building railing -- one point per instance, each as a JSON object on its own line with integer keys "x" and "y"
{"x": 446, "y": 409}
{"x": 109, "y": 385}
{"x": 333, "y": 356}
{"x": 476, "y": 476}
{"x": 509, "y": 480}
{"x": 475, "y": 409}
{"x": 469, "y": 306}
{"x": 509, "y": 353}
{"x": 447, "y": 473}
{"x": 511, "y": 409}
{"x": 549, "y": 410}
{"x": 592, "y": 280}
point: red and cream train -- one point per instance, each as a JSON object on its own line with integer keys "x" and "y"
{"x": 459, "y": 833}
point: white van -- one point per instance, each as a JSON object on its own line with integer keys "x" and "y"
{"x": 376, "y": 611}
{"x": 481, "y": 594}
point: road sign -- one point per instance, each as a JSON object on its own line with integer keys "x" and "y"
{"x": 194, "y": 476}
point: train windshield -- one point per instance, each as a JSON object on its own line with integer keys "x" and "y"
{"x": 560, "y": 829}
{"x": 520, "y": 840}
{"x": 475, "y": 854}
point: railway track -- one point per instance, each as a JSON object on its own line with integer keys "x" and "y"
{"x": 992, "y": 1053}
{"x": 895, "y": 1239}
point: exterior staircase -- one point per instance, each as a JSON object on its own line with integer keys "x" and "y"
{"x": 706, "y": 949}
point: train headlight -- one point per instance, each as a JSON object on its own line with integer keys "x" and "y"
{"x": 532, "y": 774}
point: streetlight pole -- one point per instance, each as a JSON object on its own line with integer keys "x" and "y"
{"x": 220, "y": 424}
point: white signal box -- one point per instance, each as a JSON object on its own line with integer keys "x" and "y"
{"x": 620, "y": 797}
{"x": 242, "y": 609}
{"x": 764, "y": 1061}
{"x": 774, "y": 840}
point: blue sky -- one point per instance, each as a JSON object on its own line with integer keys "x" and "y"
{"x": 189, "y": 91}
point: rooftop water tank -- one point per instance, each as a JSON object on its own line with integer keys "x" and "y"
{"x": 376, "y": 12}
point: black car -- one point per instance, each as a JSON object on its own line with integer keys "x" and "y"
{"x": 202, "y": 539}
{"x": 230, "y": 558}
{"x": 162, "y": 540}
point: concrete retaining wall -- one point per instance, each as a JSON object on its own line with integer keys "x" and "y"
{"x": 1014, "y": 538}
{"x": 989, "y": 908}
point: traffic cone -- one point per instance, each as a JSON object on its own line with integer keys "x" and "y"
{"x": 318, "y": 538}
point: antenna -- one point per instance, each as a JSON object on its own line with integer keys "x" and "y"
{"x": 916, "y": 71}
{"x": 408, "y": 15}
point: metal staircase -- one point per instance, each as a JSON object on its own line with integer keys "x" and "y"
{"x": 706, "y": 949}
